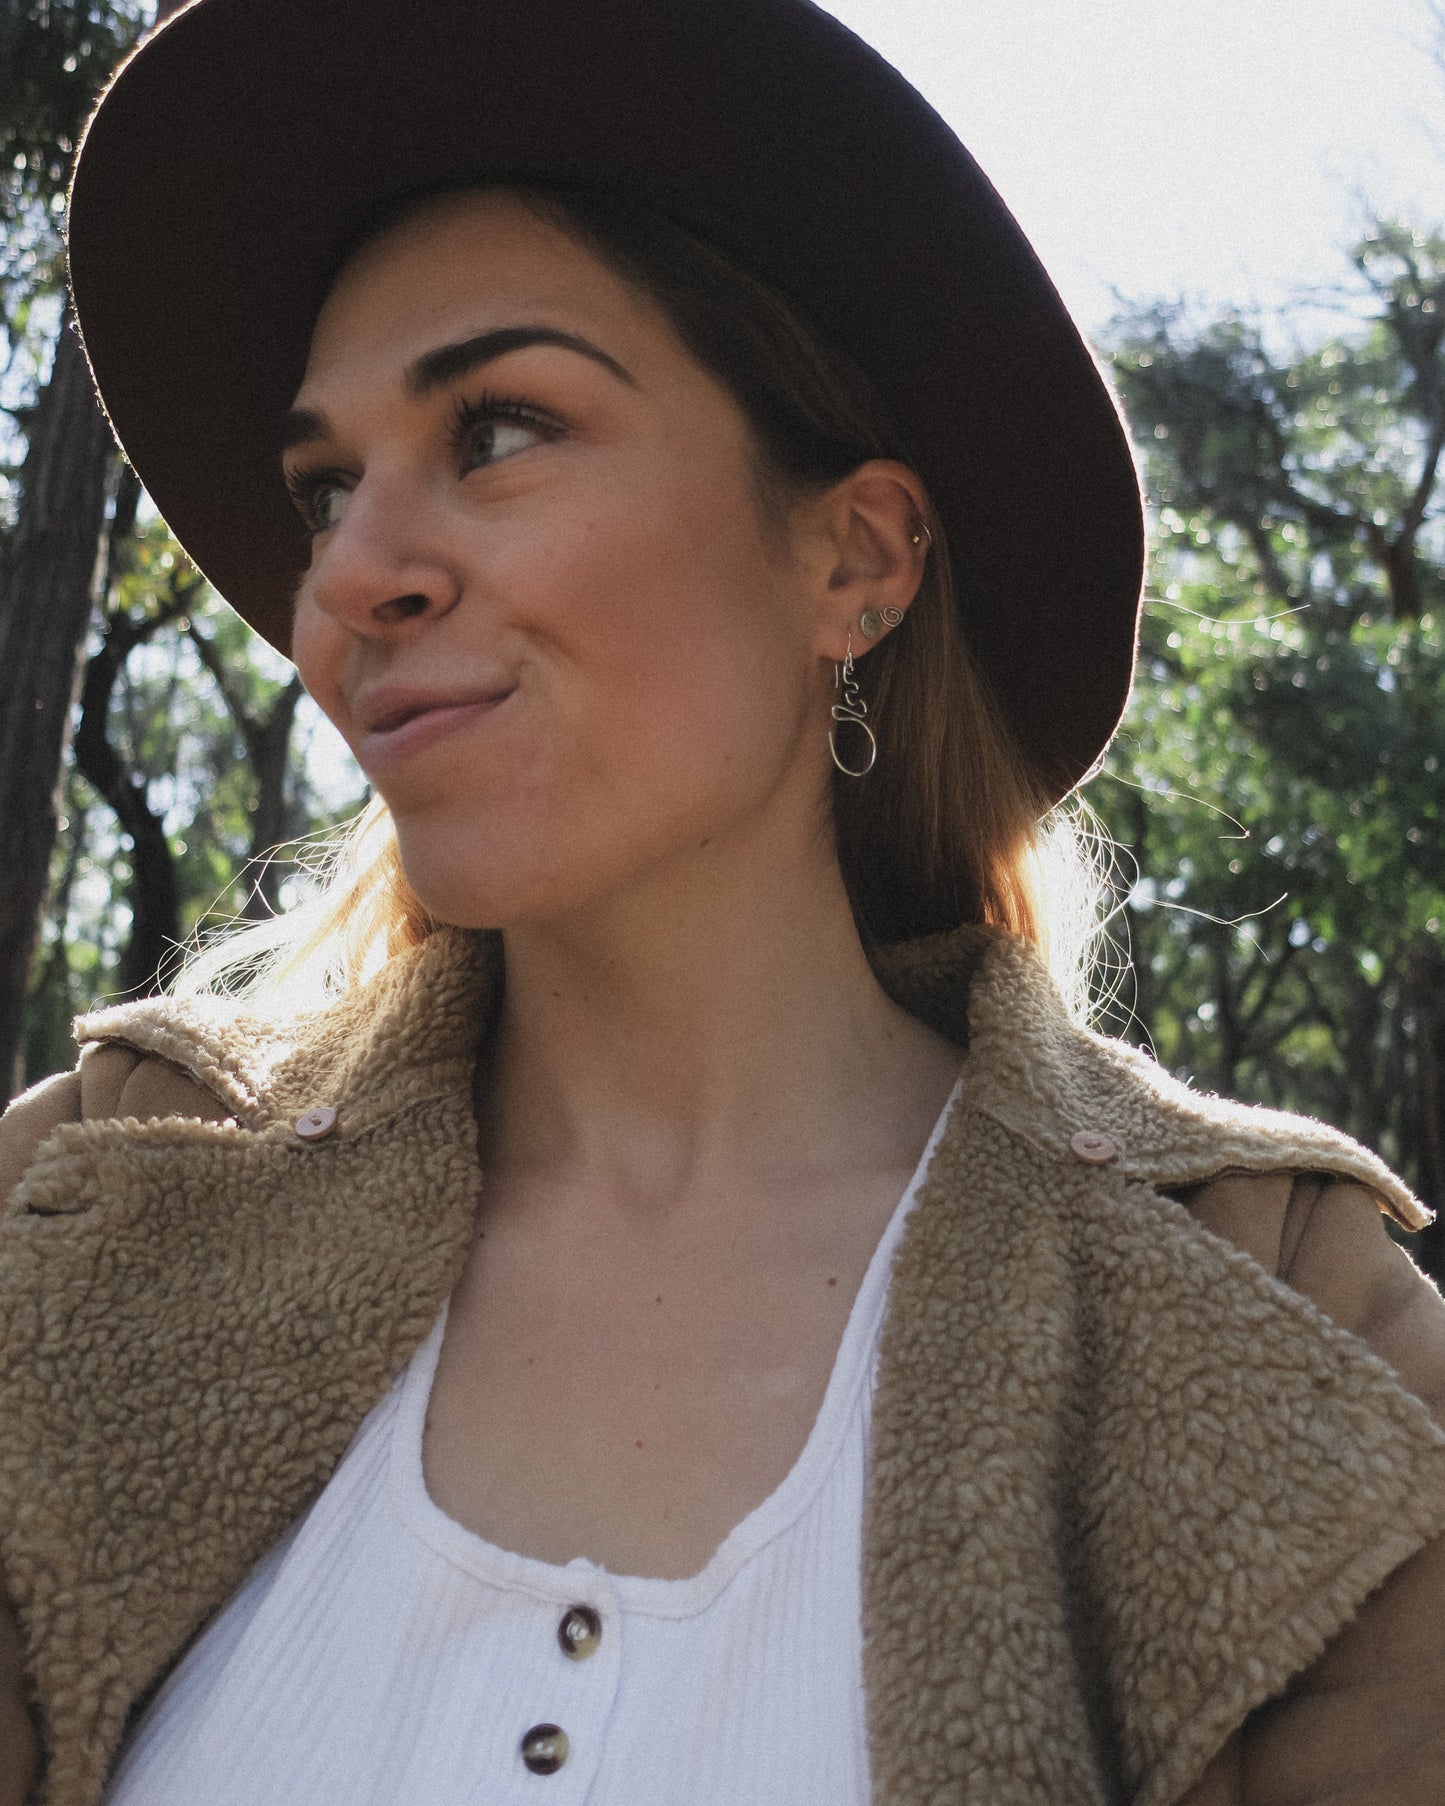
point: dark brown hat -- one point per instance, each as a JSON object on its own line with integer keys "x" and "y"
{"x": 242, "y": 145}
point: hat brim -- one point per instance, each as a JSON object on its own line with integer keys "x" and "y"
{"x": 240, "y": 146}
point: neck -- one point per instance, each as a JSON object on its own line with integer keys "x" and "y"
{"x": 717, "y": 1024}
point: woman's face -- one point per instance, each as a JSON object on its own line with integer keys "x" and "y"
{"x": 544, "y": 606}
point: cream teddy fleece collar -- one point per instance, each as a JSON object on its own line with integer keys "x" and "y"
{"x": 1028, "y": 1062}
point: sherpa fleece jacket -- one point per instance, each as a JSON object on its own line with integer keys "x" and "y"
{"x": 1126, "y": 1482}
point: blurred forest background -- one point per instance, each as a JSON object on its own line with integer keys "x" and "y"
{"x": 1275, "y": 792}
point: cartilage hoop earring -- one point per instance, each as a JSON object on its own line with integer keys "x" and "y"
{"x": 850, "y": 707}
{"x": 920, "y": 535}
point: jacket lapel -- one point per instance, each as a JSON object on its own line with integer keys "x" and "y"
{"x": 1123, "y": 1483}
{"x": 198, "y": 1324}
{"x": 970, "y": 1674}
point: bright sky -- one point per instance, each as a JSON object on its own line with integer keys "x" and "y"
{"x": 1217, "y": 147}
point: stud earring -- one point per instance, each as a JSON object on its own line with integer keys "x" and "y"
{"x": 852, "y": 708}
{"x": 874, "y": 620}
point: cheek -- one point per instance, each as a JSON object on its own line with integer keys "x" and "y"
{"x": 661, "y": 694}
{"x": 317, "y": 646}
{"x": 669, "y": 612}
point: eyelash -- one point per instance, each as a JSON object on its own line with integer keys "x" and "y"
{"x": 466, "y": 416}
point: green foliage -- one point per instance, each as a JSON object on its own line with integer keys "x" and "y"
{"x": 1277, "y": 782}
{"x": 182, "y": 741}
{"x": 55, "y": 56}
{"x": 1281, "y": 797}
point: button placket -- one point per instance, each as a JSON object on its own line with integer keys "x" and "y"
{"x": 579, "y": 1664}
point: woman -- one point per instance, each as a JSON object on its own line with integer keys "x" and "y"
{"x": 850, "y": 1368}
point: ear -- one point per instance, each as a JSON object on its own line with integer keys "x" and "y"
{"x": 873, "y": 542}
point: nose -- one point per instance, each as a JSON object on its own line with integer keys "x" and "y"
{"x": 384, "y": 564}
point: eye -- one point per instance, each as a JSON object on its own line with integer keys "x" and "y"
{"x": 320, "y": 496}
{"x": 493, "y": 427}
{"x": 480, "y": 432}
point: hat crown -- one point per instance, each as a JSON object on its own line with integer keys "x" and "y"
{"x": 246, "y": 140}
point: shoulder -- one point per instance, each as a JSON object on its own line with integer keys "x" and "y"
{"x": 1306, "y": 1202}
{"x": 1032, "y": 1065}
{"x": 1362, "y": 1723}
{"x": 110, "y": 1082}
{"x": 1326, "y": 1238}
{"x": 407, "y": 1031}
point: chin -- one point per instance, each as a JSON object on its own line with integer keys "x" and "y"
{"x": 530, "y": 861}
{"x": 452, "y": 891}
{"x": 470, "y": 881}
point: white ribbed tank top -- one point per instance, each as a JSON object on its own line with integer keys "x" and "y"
{"x": 382, "y": 1655}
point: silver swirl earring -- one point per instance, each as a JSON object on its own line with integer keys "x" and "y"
{"x": 851, "y": 707}
{"x": 874, "y": 620}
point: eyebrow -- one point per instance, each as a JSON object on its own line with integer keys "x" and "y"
{"x": 449, "y": 363}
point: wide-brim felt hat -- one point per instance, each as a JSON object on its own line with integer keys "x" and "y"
{"x": 243, "y": 145}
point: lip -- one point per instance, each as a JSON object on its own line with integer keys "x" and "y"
{"x": 404, "y": 723}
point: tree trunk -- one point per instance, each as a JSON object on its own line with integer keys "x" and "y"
{"x": 47, "y": 587}
{"x": 1226, "y": 1019}
{"x": 268, "y": 741}
{"x": 1425, "y": 978}
{"x": 152, "y": 947}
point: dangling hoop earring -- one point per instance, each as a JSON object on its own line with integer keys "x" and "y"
{"x": 851, "y": 708}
